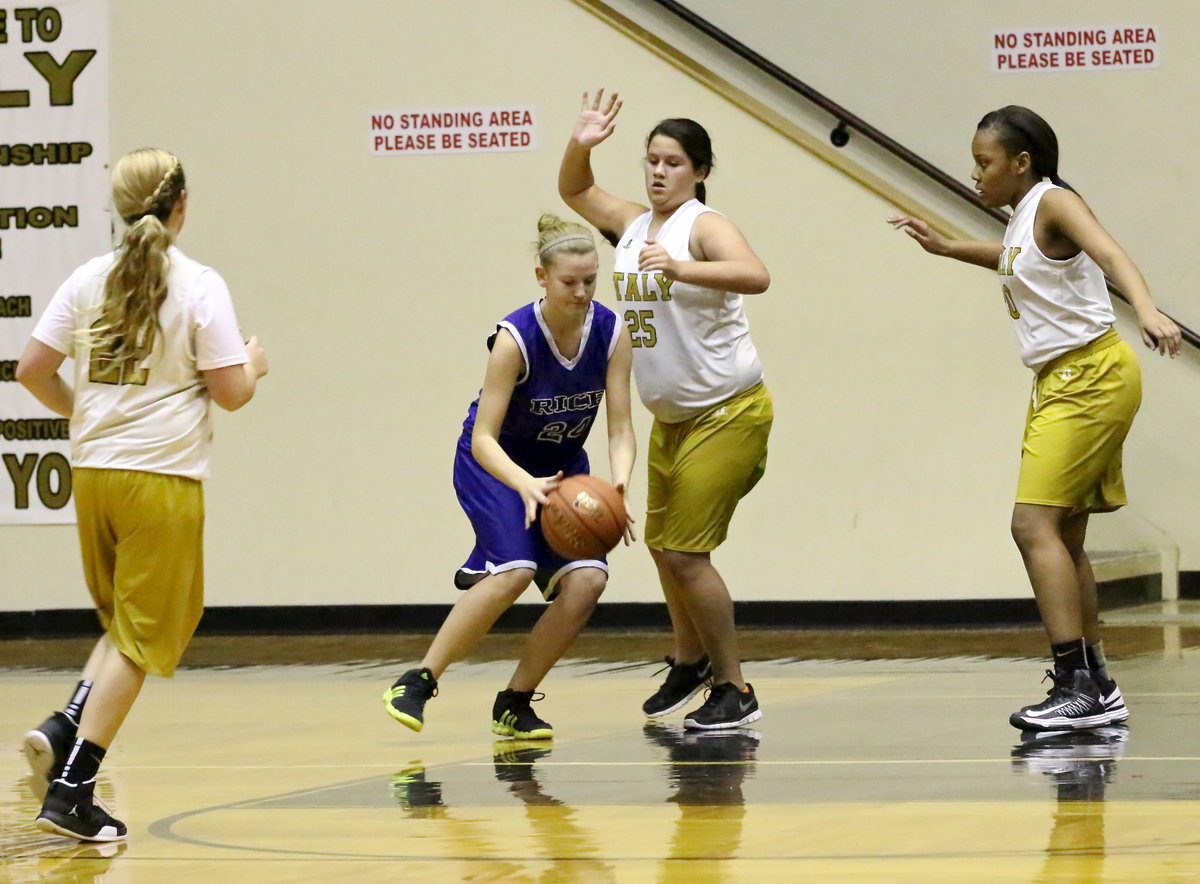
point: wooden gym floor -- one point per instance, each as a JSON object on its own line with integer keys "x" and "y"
{"x": 882, "y": 757}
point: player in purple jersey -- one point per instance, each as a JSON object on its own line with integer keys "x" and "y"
{"x": 551, "y": 365}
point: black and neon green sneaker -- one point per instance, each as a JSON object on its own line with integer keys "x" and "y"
{"x": 512, "y": 716}
{"x": 405, "y": 700}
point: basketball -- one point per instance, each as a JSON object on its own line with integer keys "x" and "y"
{"x": 583, "y": 518}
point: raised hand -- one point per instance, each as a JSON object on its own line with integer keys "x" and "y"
{"x": 597, "y": 119}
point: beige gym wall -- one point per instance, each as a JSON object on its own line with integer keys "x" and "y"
{"x": 373, "y": 281}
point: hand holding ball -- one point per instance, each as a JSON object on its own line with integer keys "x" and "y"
{"x": 583, "y": 518}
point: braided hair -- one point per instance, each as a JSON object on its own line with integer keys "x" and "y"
{"x": 146, "y": 185}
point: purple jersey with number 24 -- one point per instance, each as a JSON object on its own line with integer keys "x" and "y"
{"x": 553, "y": 406}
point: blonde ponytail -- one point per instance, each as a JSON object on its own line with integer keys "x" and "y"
{"x": 147, "y": 184}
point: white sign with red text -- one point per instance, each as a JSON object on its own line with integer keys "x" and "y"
{"x": 1075, "y": 49}
{"x": 453, "y": 130}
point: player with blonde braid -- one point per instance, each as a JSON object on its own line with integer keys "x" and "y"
{"x": 154, "y": 338}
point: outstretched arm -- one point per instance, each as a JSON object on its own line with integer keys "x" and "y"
{"x": 577, "y": 185}
{"x": 983, "y": 253}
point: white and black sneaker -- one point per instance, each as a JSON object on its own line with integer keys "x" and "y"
{"x": 725, "y": 707}
{"x": 1074, "y": 703}
{"x": 1110, "y": 696}
{"x": 71, "y": 810}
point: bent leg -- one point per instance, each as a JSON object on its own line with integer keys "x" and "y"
{"x": 115, "y": 686}
{"x": 473, "y": 615}
{"x": 559, "y": 626}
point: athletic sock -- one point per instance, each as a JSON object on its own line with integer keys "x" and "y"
{"x": 1069, "y": 656}
{"x": 1097, "y": 662}
{"x": 74, "y": 708}
{"x": 82, "y": 762}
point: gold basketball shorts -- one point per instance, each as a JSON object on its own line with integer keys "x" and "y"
{"x": 1082, "y": 407}
{"x": 700, "y": 468}
{"x": 141, "y": 535}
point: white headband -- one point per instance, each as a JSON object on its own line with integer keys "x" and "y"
{"x": 567, "y": 238}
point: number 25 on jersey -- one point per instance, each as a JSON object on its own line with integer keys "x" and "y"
{"x": 641, "y": 329}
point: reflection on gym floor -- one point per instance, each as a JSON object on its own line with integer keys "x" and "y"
{"x": 897, "y": 766}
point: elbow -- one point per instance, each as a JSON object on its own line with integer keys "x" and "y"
{"x": 571, "y": 196}
{"x": 30, "y": 377}
{"x": 23, "y": 376}
{"x": 232, "y": 403}
{"x": 759, "y": 282}
{"x": 476, "y": 438}
{"x": 232, "y": 400}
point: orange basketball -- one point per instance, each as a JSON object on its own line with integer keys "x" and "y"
{"x": 584, "y": 517}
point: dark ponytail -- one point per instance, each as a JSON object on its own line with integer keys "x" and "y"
{"x": 1018, "y": 129}
{"x": 694, "y": 140}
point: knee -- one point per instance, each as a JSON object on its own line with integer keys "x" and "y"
{"x": 510, "y": 584}
{"x": 1023, "y": 532}
{"x": 583, "y": 587}
{"x": 1029, "y": 532}
{"x": 679, "y": 566}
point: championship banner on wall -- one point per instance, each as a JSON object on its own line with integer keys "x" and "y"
{"x": 54, "y": 216}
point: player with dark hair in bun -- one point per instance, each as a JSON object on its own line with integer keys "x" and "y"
{"x": 1052, "y": 265}
{"x": 680, "y": 271}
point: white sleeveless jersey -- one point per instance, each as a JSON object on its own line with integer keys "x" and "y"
{"x": 154, "y": 419}
{"x": 691, "y": 345}
{"x": 1056, "y": 306}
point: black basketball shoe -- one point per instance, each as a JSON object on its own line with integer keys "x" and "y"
{"x": 405, "y": 700}
{"x": 513, "y": 717}
{"x": 725, "y": 707}
{"x": 71, "y": 810}
{"x": 1073, "y": 703}
{"x": 1115, "y": 709}
{"x": 47, "y": 745}
{"x": 684, "y": 681}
